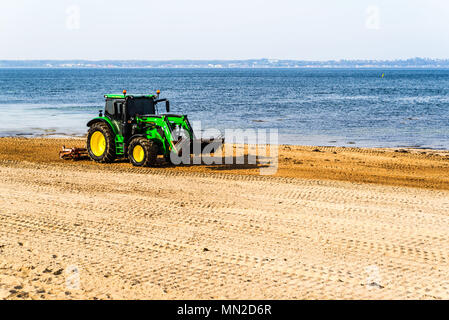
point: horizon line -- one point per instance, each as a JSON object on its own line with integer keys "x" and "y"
{"x": 228, "y": 60}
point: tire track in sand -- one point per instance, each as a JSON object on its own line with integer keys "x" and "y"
{"x": 158, "y": 234}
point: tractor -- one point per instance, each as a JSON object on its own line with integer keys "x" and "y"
{"x": 131, "y": 127}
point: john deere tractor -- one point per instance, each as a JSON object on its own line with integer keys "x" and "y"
{"x": 132, "y": 128}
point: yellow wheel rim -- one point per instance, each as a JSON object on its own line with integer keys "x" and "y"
{"x": 138, "y": 153}
{"x": 98, "y": 143}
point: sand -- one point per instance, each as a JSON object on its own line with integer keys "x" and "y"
{"x": 333, "y": 223}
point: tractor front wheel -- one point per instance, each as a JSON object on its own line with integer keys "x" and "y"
{"x": 101, "y": 143}
{"x": 142, "y": 152}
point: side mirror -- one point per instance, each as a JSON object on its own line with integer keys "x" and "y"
{"x": 167, "y": 106}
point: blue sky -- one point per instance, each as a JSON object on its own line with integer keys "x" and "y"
{"x": 231, "y": 29}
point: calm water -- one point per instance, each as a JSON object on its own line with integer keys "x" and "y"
{"x": 308, "y": 107}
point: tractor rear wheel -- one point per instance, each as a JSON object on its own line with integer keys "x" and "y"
{"x": 101, "y": 143}
{"x": 142, "y": 152}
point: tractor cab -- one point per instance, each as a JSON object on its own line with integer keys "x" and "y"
{"x": 128, "y": 107}
{"x": 115, "y": 107}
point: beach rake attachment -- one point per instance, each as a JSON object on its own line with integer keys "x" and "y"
{"x": 73, "y": 153}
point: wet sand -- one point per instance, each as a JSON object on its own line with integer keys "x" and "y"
{"x": 332, "y": 223}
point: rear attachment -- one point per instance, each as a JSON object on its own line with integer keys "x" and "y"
{"x": 73, "y": 153}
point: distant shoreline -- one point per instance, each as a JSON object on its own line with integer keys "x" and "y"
{"x": 414, "y": 63}
{"x": 234, "y": 68}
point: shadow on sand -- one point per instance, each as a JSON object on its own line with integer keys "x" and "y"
{"x": 214, "y": 163}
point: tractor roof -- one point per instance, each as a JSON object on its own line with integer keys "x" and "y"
{"x": 121, "y": 96}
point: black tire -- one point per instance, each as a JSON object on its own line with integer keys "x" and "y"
{"x": 109, "y": 154}
{"x": 150, "y": 152}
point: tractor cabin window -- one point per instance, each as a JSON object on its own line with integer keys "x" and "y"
{"x": 109, "y": 110}
{"x": 118, "y": 110}
{"x": 140, "y": 106}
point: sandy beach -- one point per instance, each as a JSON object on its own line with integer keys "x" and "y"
{"x": 332, "y": 223}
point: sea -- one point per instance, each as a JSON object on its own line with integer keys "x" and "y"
{"x": 321, "y": 107}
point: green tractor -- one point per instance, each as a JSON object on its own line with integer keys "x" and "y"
{"x": 131, "y": 127}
